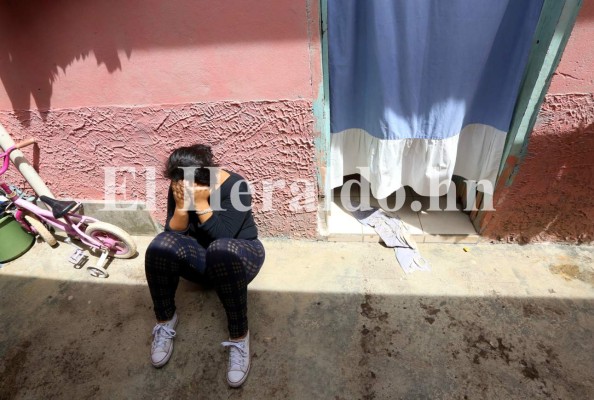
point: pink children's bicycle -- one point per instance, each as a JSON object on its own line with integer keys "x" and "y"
{"x": 109, "y": 240}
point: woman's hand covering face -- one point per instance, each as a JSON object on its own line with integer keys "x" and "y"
{"x": 187, "y": 196}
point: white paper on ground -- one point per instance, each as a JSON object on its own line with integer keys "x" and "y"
{"x": 394, "y": 234}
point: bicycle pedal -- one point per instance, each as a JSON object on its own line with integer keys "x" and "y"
{"x": 76, "y": 256}
{"x": 98, "y": 272}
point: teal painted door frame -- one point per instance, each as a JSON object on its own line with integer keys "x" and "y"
{"x": 322, "y": 116}
{"x": 554, "y": 28}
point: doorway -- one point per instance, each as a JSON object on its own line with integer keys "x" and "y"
{"x": 454, "y": 225}
{"x": 427, "y": 219}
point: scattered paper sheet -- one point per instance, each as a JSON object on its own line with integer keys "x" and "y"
{"x": 395, "y": 234}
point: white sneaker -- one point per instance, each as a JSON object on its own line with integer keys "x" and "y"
{"x": 239, "y": 361}
{"x": 163, "y": 334}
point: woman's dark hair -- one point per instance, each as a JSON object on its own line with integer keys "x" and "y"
{"x": 198, "y": 156}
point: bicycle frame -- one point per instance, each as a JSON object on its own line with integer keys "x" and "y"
{"x": 110, "y": 240}
{"x": 70, "y": 225}
{"x": 71, "y": 221}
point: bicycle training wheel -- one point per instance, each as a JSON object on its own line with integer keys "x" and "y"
{"x": 41, "y": 230}
{"x": 117, "y": 240}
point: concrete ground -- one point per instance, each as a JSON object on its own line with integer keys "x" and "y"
{"x": 328, "y": 321}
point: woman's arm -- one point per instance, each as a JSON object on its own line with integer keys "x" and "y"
{"x": 179, "y": 221}
{"x": 201, "y": 203}
{"x": 177, "y": 215}
{"x": 228, "y": 222}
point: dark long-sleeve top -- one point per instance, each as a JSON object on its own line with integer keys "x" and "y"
{"x": 226, "y": 221}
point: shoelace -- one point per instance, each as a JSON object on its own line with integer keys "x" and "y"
{"x": 237, "y": 354}
{"x": 162, "y": 333}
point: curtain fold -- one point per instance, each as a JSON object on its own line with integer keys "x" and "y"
{"x": 424, "y": 89}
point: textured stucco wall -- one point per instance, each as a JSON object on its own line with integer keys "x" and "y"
{"x": 552, "y": 196}
{"x": 263, "y": 141}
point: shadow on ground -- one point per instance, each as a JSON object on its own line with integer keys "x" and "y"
{"x": 64, "y": 339}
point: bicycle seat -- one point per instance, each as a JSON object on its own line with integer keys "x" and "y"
{"x": 59, "y": 208}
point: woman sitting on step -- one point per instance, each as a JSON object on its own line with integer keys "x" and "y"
{"x": 210, "y": 238}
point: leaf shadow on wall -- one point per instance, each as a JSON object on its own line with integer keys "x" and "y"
{"x": 39, "y": 40}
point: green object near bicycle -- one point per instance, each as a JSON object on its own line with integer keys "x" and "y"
{"x": 14, "y": 240}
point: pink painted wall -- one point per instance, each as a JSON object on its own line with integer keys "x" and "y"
{"x": 122, "y": 83}
{"x": 552, "y": 196}
{"x": 263, "y": 141}
{"x": 66, "y": 54}
{"x": 575, "y": 73}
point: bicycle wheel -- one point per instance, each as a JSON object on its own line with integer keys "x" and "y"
{"x": 41, "y": 230}
{"x": 117, "y": 240}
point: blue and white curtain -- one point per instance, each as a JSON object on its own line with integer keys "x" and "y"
{"x": 424, "y": 89}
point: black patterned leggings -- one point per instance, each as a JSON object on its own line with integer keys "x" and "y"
{"x": 228, "y": 265}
